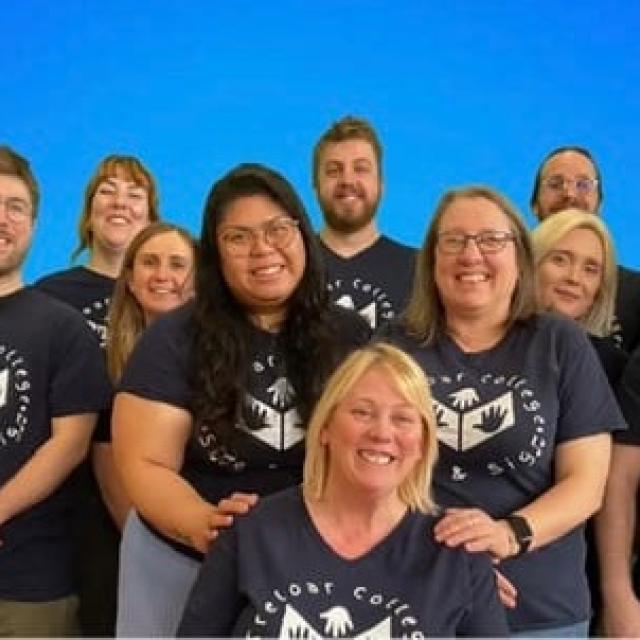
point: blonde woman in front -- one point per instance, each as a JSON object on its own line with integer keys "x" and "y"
{"x": 351, "y": 553}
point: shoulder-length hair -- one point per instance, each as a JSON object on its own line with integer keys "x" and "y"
{"x": 425, "y": 316}
{"x": 125, "y": 319}
{"x": 410, "y": 381}
{"x": 599, "y": 318}
{"x": 223, "y": 330}
{"x": 114, "y": 166}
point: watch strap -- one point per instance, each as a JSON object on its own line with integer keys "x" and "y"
{"x": 521, "y": 530}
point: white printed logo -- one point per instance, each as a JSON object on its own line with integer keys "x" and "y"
{"x": 469, "y": 416}
{"x": 280, "y": 614}
{"x": 369, "y": 300}
{"x": 282, "y": 426}
{"x": 15, "y": 397}
{"x": 464, "y": 429}
{"x": 337, "y": 624}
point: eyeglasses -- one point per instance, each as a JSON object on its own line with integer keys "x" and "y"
{"x": 16, "y": 209}
{"x": 452, "y": 242}
{"x": 277, "y": 233}
{"x": 560, "y": 183}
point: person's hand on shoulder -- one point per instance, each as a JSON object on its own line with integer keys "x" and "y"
{"x": 477, "y": 532}
{"x": 202, "y": 522}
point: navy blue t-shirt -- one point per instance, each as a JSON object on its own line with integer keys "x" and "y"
{"x": 501, "y": 413}
{"x": 268, "y": 447}
{"x": 85, "y": 290}
{"x": 376, "y": 282}
{"x": 50, "y": 366}
{"x": 629, "y": 398}
{"x": 273, "y": 575}
{"x": 628, "y": 307}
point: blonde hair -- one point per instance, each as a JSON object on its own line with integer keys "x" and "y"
{"x": 424, "y": 316}
{"x": 114, "y": 166}
{"x": 125, "y": 318}
{"x": 410, "y": 381}
{"x": 599, "y": 318}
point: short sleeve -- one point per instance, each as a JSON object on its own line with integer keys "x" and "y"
{"x": 587, "y": 404}
{"x": 79, "y": 382}
{"x": 158, "y": 367}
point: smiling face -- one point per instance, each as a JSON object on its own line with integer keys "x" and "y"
{"x": 568, "y": 169}
{"x": 348, "y": 184}
{"x": 260, "y": 276}
{"x": 16, "y": 228}
{"x": 162, "y": 275}
{"x": 471, "y": 283}
{"x": 119, "y": 210}
{"x": 374, "y": 438}
{"x": 570, "y": 275}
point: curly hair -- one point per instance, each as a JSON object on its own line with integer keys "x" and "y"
{"x": 222, "y": 328}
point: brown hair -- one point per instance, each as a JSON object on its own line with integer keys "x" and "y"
{"x": 13, "y": 164}
{"x": 425, "y": 315}
{"x": 127, "y": 167}
{"x": 347, "y": 128}
{"x": 125, "y": 319}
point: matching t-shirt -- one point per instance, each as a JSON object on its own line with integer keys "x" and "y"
{"x": 501, "y": 415}
{"x": 50, "y": 366}
{"x": 268, "y": 448}
{"x": 272, "y": 575}
{"x": 628, "y": 308}
{"x": 85, "y": 290}
{"x": 376, "y": 282}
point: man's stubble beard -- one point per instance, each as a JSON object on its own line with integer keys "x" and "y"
{"x": 349, "y": 222}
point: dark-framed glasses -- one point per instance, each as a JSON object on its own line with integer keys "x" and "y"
{"x": 490, "y": 241}
{"x": 582, "y": 185}
{"x": 277, "y": 233}
{"x": 16, "y": 209}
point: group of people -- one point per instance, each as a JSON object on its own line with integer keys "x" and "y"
{"x": 275, "y": 432}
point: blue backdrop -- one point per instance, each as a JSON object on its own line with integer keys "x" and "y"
{"x": 460, "y": 92}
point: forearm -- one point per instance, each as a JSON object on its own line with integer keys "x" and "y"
{"x": 581, "y": 468}
{"x": 45, "y": 471}
{"x": 163, "y": 497}
{"x": 112, "y": 490}
{"x": 559, "y": 510}
{"x": 615, "y": 524}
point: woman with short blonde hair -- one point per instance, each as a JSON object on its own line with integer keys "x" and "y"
{"x": 358, "y": 534}
{"x": 599, "y": 317}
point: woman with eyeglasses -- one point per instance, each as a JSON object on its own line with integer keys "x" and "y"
{"x": 523, "y": 409}
{"x": 214, "y": 401}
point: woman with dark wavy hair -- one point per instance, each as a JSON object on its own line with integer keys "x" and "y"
{"x": 214, "y": 401}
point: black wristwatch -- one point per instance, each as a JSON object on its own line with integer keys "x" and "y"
{"x": 521, "y": 530}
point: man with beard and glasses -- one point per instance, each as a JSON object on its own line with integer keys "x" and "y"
{"x": 367, "y": 271}
{"x": 52, "y": 386}
{"x": 569, "y": 178}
